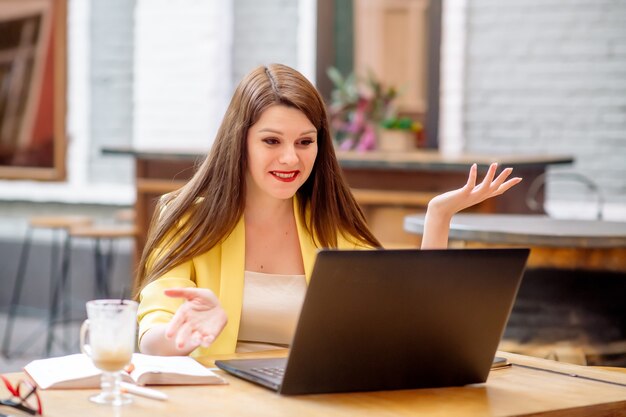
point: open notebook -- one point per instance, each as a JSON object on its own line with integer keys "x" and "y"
{"x": 394, "y": 319}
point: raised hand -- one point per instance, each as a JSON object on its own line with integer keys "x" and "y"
{"x": 198, "y": 321}
{"x": 454, "y": 201}
{"x": 444, "y": 206}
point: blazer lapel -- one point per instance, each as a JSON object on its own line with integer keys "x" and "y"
{"x": 307, "y": 246}
{"x": 231, "y": 283}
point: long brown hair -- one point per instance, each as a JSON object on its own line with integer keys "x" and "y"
{"x": 212, "y": 202}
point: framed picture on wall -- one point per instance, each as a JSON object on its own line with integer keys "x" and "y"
{"x": 32, "y": 89}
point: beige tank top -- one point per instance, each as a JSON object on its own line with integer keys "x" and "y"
{"x": 270, "y": 310}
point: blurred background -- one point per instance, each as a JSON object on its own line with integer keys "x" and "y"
{"x": 90, "y": 90}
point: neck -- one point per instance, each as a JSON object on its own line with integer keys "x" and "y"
{"x": 268, "y": 210}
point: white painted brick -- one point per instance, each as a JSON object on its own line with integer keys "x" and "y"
{"x": 550, "y": 76}
{"x": 182, "y": 71}
{"x": 618, "y": 47}
{"x": 614, "y": 118}
{"x": 451, "y": 128}
{"x": 111, "y": 116}
{"x": 264, "y": 32}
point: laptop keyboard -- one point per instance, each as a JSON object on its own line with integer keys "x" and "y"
{"x": 274, "y": 372}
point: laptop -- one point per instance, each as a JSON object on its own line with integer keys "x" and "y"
{"x": 395, "y": 319}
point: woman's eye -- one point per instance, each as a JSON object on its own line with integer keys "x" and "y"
{"x": 270, "y": 141}
{"x": 306, "y": 142}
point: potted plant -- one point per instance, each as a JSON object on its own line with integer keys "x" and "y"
{"x": 398, "y": 134}
{"x": 362, "y": 115}
{"x": 357, "y": 109}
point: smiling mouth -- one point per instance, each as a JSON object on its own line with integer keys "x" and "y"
{"x": 285, "y": 175}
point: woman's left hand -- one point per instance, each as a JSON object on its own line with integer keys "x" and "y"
{"x": 444, "y": 206}
{"x": 452, "y": 202}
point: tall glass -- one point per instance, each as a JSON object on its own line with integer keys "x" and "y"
{"x": 108, "y": 338}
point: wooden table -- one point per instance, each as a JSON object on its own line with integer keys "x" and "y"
{"x": 530, "y": 386}
{"x": 385, "y": 184}
{"x": 565, "y": 256}
{"x": 555, "y": 243}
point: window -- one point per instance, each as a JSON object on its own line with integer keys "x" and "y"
{"x": 32, "y": 89}
{"x": 398, "y": 40}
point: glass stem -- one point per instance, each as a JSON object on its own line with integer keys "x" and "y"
{"x": 110, "y": 385}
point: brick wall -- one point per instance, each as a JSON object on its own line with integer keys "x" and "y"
{"x": 182, "y": 71}
{"x": 452, "y": 81}
{"x": 155, "y": 74}
{"x": 264, "y": 32}
{"x": 111, "y": 78}
{"x": 550, "y": 76}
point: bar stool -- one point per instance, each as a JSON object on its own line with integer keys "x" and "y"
{"x": 103, "y": 259}
{"x": 59, "y": 279}
{"x": 103, "y": 262}
{"x": 125, "y": 215}
{"x": 123, "y": 227}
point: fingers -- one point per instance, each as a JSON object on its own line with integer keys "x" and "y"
{"x": 504, "y": 174}
{"x": 196, "y": 338}
{"x": 207, "y": 340}
{"x": 204, "y": 340}
{"x": 198, "y": 321}
{"x": 447, "y": 204}
{"x": 507, "y": 185}
{"x": 190, "y": 337}
{"x": 189, "y": 334}
{"x": 183, "y": 337}
{"x": 186, "y": 293}
{"x": 175, "y": 324}
{"x": 491, "y": 173}
{"x": 471, "y": 180}
{"x": 495, "y": 185}
{"x": 499, "y": 186}
{"x": 200, "y": 296}
{"x": 490, "y": 187}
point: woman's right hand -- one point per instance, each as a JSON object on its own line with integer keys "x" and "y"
{"x": 198, "y": 322}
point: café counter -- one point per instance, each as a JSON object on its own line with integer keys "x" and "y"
{"x": 385, "y": 184}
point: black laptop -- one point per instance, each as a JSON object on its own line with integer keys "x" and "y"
{"x": 395, "y": 319}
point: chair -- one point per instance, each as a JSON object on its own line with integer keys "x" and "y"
{"x": 73, "y": 227}
{"x": 103, "y": 259}
{"x": 125, "y": 216}
{"x": 572, "y": 177}
{"x": 59, "y": 279}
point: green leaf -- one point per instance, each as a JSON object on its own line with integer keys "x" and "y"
{"x": 335, "y": 76}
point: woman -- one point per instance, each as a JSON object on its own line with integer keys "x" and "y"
{"x": 229, "y": 255}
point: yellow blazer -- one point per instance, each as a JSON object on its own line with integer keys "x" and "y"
{"x": 221, "y": 269}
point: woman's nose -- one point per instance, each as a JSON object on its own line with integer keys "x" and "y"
{"x": 288, "y": 155}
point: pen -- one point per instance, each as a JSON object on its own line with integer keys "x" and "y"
{"x": 143, "y": 391}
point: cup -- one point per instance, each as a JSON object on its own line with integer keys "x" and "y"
{"x": 108, "y": 338}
